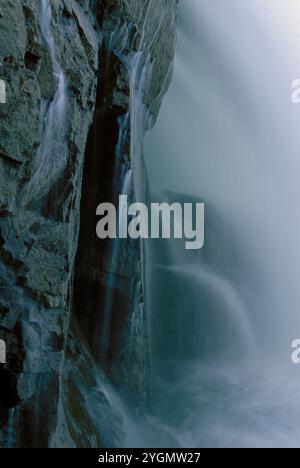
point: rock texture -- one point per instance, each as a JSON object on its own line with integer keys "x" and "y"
{"x": 116, "y": 57}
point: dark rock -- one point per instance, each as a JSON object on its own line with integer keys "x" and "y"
{"x": 114, "y": 55}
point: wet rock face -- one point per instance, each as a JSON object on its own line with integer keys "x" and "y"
{"x": 37, "y": 242}
{"x": 97, "y": 44}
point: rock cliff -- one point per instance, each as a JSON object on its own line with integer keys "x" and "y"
{"x": 84, "y": 80}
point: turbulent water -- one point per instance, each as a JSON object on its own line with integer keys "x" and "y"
{"x": 222, "y": 320}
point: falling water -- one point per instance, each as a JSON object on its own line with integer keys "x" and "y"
{"x": 50, "y": 157}
{"x": 112, "y": 268}
{"x": 223, "y": 320}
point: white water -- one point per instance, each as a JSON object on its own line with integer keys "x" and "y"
{"x": 50, "y": 157}
{"x": 223, "y": 321}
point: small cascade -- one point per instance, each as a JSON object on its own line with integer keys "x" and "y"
{"x": 137, "y": 340}
{"x": 125, "y": 175}
{"x": 232, "y": 312}
{"x": 50, "y": 158}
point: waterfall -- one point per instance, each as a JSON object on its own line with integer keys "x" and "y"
{"x": 50, "y": 158}
{"x": 222, "y": 320}
{"x": 232, "y": 307}
{"x": 112, "y": 268}
{"x": 129, "y": 179}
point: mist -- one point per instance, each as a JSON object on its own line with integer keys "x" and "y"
{"x": 223, "y": 320}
